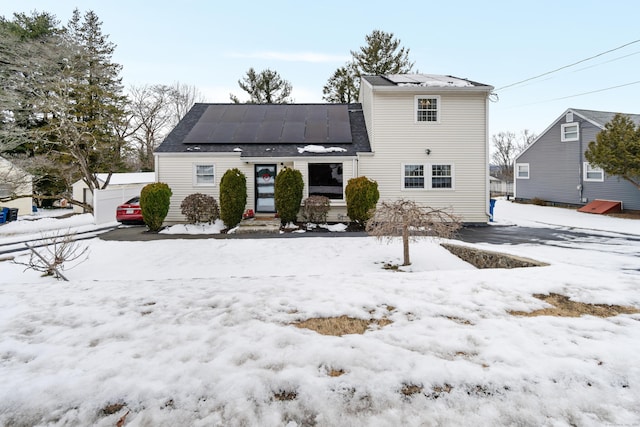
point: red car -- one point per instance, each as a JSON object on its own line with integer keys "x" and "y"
{"x": 130, "y": 212}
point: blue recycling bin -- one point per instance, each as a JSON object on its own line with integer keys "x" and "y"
{"x": 4, "y": 213}
{"x": 492, "y": 204}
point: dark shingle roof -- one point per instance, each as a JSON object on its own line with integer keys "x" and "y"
{"x": 603, "y": 117}
{"x": 269, "y": 130}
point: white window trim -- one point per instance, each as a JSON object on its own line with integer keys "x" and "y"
{"x": 427, "y": 176}
{"x": 424, "y": 176}
{"x": 195, "y": 175}
{"x": 438, "y": 110}
{"x": 517, "y": 171}
{"x": 586, "y": 167}
{"x": 563, "y": 138}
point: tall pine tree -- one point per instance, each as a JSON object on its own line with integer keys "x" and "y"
{"x": 265, "y": 87}
{"x": 88, "y": 105}
{"x": 381, "y": 55}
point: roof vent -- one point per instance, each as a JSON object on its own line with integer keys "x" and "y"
{"x": 569, "y": 117}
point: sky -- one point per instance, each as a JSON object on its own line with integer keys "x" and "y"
{"x": 201, "y": 332}
{"x": 211, "y": 45}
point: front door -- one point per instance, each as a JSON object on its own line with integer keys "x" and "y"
{"x": 265, "y": 176}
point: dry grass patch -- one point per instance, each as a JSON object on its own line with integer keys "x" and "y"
{"x": 113, "y": 408}
{"x": 336, "y": 372}
{"x": 284, "y": 395}
{"x": 411, "y": 389}
{"x": 342, "y": 325}
{"x": 564, "y": 307}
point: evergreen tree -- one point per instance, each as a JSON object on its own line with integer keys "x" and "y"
{"x": 617, "y": 149}
{"x": 88, "y": 105}
{"x": 265, "y": 87}
{"x": 341, "y": 87}
{"x": 381, "y": 55}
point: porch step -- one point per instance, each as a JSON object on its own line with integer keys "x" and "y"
{"x": 259, "y": 225}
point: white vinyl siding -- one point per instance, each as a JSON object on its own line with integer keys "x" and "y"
{"x": 522, "y": 170}
{"x": 592, "y": 173}
{"x": 460, "y": 139}
{"x": 569, "y": 132}
{"x": 178, "y": 171}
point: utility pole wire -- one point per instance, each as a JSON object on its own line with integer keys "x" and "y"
{"x": 579, "y": 94}
{"x": 568, "y": 66}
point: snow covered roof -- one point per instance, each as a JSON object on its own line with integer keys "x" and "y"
{"x": 128, "y": 178}
{"x": 430, "y": 80}
{"x": 413, "y": 81}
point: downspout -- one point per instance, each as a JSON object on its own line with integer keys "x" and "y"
{"x": 580, "y": 164}
{"x": 487, "y": 195}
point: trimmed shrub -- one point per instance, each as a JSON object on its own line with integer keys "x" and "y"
{"x": 362, "y": 196}
{"x": 233, "y": 196}
{"x": 154, "y": 202}
{"x": 199, "y": 208}
{"x": 288, "y": 194}
{"x": 316, "y": 208}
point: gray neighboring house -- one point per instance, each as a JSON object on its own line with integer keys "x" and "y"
{"x": 553, "y": 168}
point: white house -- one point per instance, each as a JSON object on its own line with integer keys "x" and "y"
{"x": 420, "y": 136}
{"x": 15, "y": 181}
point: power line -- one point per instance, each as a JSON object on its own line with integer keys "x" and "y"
{"x": 579, "y": 94}
{"x": 568, "y": 66}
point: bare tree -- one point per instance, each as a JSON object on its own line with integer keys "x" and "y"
{"x": 507, "y": 145}
{"x": 411, "y": 221}
{"x": 181, "y": 99}
{"x": 153, "y": 111}
{"x": 50, "y": 256}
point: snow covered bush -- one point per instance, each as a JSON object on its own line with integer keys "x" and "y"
{"x": 154, "y": 202}
{"x": 233, "y": 196}
{"x": 316, "y": 208}
{"x": 200, "y": 208}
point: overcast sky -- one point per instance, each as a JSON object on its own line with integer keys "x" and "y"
{"x": 212, "y": 44}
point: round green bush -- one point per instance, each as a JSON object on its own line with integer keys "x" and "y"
{"x": 199, "y": 208}
{"x": 155, "y": 200}
{"x": 362, "y": 196}
{"x": 233, "y": 197}
{"x": 288, "y": 194}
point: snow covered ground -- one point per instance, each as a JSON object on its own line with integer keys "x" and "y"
{"x": 197, "y": 332}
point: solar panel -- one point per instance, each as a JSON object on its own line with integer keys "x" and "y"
{"x": 315, "y": 132}
{"x": 272, "y": 124}
{"x": 270, "y": 131}
{"x": 292, "y": 132}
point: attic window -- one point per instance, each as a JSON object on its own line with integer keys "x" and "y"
{"x": 427, "y": 109}
{"x": 569, "y": 132}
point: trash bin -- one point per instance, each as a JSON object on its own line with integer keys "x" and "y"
{"x": 492, "y": 204}
{"x": 13, "y": 214}
{"x": 4, "y": 212}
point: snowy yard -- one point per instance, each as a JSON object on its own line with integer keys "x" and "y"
{"x": 199, "y": 332}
